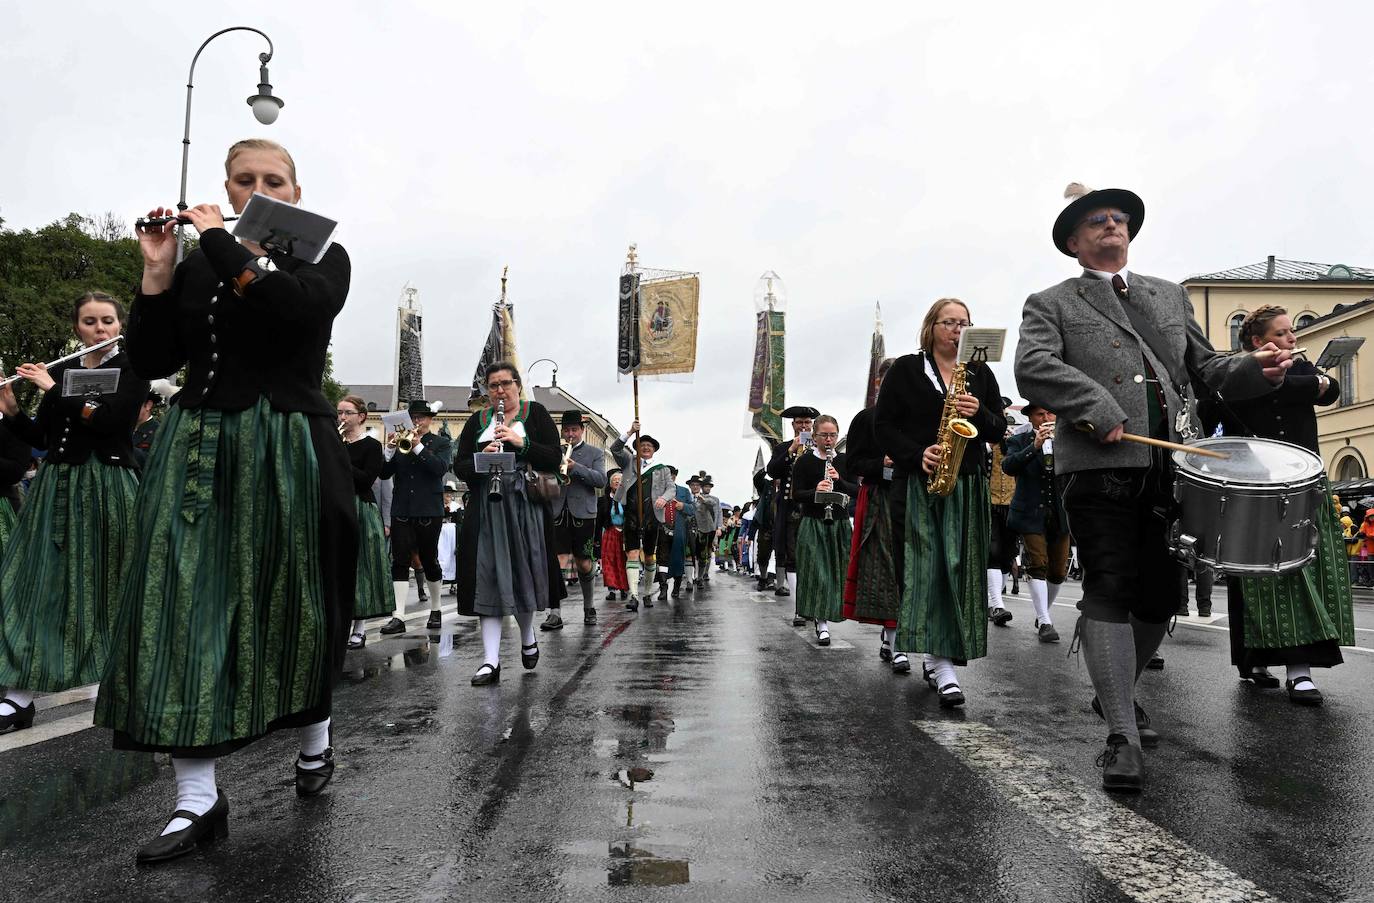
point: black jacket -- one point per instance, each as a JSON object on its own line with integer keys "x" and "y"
{"x": 1036, "y": 506}
{"x": 70, "y": 438}
{"x": 863, "y": 456}
{"x": 417, "y": 478}
{"x": 269, "y": 343}
{"x": 15, "y": 456}
{"x": 365, "y": 459}
{"x": 807, "y": 473}
{"x": 908, "y": 413}
{"x": 1285, "y": 414}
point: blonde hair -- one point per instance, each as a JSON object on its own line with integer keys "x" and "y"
{"x": 259, "y": 144}
{"x": 928, "y": 324}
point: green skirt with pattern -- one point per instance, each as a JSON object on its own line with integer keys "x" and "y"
{"x": 822, "y": 560}
{"x": 222, "y": 628}
{"x": 1309, "y": 606}
{"x": 944, "y": 602}
{"x": 61, "y": 574}
{"x": 7, "y": 521}
{"x": 375, "y": 596}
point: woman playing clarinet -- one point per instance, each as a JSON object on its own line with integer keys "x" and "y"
{"x": 944, "y": 537}
{"x": 62, "y": 567}
{"x": 234, "y": 618}
{"x": 375, "y": 595}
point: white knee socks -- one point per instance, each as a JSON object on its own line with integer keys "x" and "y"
{"x": 1053, "y": 592}
{"x": 942, "y": 669}
{"x": 491, "y": 639}
{"x": 196, "y": 790}
{"x": 436, "y": 589}
{"x": 21, "y": 699}
{"x": 401, "y": 588}
{"x": 314, "y": 739}
{"x": 792, "y": 583}
{"x": 632, "y": 572}
{"x": 994, "y": 588}
{"x": 525, "y": 619}
{"x": 1040, "y": 598}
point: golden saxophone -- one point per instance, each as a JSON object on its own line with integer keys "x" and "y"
{"x": 954, "y": 435}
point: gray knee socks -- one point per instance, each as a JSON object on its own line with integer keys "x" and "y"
{"x": 1110, "y": 652}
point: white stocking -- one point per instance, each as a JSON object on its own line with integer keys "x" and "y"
{"x": 491, "y": 639}
{"x": 1040, "y": 598}
{"x": 314, "y": 739}
{"x": 994, "y": 588}
{"x": 20, "y": 698}
{"x": 196, "y": 790}
{"x": 525, "y": 619}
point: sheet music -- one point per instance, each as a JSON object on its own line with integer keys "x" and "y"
{"x": 285, "y": 227}
{"x": 974, "y": 338}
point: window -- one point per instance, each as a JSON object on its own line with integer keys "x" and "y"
{"x": 1347, "y": 379}
{"x": 1236, "y": 320}
{"x": 1304, "y": 320}
{"x": 1349, "y": 468}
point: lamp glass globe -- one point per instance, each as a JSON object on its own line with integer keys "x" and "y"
{"x": 266, "y": 109}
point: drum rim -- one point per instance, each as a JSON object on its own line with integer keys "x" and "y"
{"x": 1185, "y": 469}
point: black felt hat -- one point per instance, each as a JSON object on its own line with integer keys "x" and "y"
{"x": 421, "y": 408}
{"x": 1084, "y": 201}
{"x": 801, "y": 410}
{"x": 694, "y": 478}
{"x": 572, "y": 418}
{"x": 612, "y": 472}
{"x": 649, "y": 439}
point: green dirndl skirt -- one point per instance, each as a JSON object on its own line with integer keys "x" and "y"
{"x": 1312, "y": 605}
{"x": 222, "y": 631}
{"x": 375, "y": 596}
{"x": 944, "y": 602}
{"x": 61, "y": 574}
{"x": 822, "y": 560}
{"x": 7, "y": 521}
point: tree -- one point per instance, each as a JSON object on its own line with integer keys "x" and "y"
{"x": 333, "y": 390}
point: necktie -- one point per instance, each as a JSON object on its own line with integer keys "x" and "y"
{"x": 1120, "y": 285}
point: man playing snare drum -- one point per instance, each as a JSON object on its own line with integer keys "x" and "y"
{"x": 1110, "y": 352}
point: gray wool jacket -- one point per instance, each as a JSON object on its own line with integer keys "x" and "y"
{"x": 586, "y": 475}
{"x": 1080, "y": 357}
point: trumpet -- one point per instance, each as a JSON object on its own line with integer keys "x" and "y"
{"x": 80, "y": 352}
{"x": 403, "y": 440}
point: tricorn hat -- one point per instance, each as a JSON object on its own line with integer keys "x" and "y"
{"x": 650, "y": 439}
{"x": 1083, "y": 201}
{"x": 801, "y": 410}
{"x": 572, "y": 418}
{"x": 421, "y": 408}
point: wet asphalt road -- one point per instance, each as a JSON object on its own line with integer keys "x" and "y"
{"x": 780, "y": 771}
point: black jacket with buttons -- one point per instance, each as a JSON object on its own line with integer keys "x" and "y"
{"x": 271, "y": 342}
{"x": 1285, "y": 414}
{"x": 15, "y": 455}
{"x": 71, "y": 438}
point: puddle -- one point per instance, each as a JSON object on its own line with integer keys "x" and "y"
{"x": 64, "y": 794}
{"x": 633, "y": 865}
{"x": 410, "y": 658}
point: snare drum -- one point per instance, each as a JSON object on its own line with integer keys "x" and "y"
{"x": 1252, "y": 513}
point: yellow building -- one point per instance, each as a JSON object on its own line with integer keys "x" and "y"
{"x": 1325, "y": 301}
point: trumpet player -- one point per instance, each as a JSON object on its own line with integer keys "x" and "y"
{"x": 415, "y": 463}
{"x": 581, "y": 474}
{"x": 944, "y": 537}
{"x": 824, "y": 535}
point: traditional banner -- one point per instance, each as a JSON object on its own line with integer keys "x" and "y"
{"x": 627, "y": 357}
{"x": 877, "y": 353}
{"x": 767, "y": 395}
{"x": 668, "y": 326}
{"x": 408, "y": 379}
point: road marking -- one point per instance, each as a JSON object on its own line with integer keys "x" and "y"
{"x": 1146, "y": 862}
{"x": 46, "y": 730}
{"x": 65, "y": 697}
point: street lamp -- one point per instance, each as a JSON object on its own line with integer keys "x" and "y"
{"x": 265, "y": 106}
{"x": 548, "y": 360}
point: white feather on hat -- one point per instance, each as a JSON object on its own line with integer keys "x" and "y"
{"x": 1076, "y": 190}
{"x": 436, "y": 406}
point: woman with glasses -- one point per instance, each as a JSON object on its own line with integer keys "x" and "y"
{"x": 506, "y": 563}
{"x": 373, "y": 596}
{"x": 945, "y": 538}
{"x": 234, "y": 618}
{"x": 71, "y": 545}
{"x": 823, "y": 535}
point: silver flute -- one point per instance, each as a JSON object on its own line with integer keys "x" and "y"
{"x": 62, "y": 360}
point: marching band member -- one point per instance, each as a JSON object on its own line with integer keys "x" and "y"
{"x": 234, "y": 615}
{"x": 374, "y": 596}
{"x": 873, "y": 580}
{"x": 1002, "y": 540}
{"x": 574, "y": 514}
{"x": 679, "y": 512}
{"x": 786, "y": 516}
{"x": 1037, "y": 513}
{"x": 417, "y": 511}
{"x": 944, "y": 602}
{"x": 706, "y": 526}
{"x": 71, "y": 545}
{"x": 823, "y": 536}
{"x": 506, "y": 563}
{"x": 611, "y": 519}
{"x": 1315, "y": 603}
{"x": 1109, "y": 351}
{"x": 762, "y": 528}
{"x": 644, "y": 493}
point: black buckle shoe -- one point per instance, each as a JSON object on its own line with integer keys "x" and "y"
{"x": 527, "y": 658}
{"x": 901, "y": 664}
{"x": 21, "y": 718}
{"x": 357, "y": 641}
{"x": 633, "y": 604}
{"x": 589, "y": 616}
{"x": 553, "y": 622}
{"x": 884, "y": 651}
{"x": 1156, "y": 662}
{"x": 207, "y": 828}
{"x": 799, "y": 621}
{"x": 952, "y": 699}
{"x": 436, "y": 620}
{"x": 1148, "y": 735}
{"x": 487, "y": 674}
{"x": 310, "y": 781}
{"x": 394, "y": 626}
{"x": 1123, "y": 767}
{"x": 610, "y": 597}
{"x": 1260, "y": 677}
{"x": 782, "y": 591}
{"x": 1310, "y": 696}
{"x": 663, "y": 591}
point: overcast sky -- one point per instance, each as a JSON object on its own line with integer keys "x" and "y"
{"x": 863, "y": 151}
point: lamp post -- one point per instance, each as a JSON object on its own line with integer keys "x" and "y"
{"x": 265, "y": 106}
{"x": 543, "y": 360}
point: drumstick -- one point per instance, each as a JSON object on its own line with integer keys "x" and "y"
{"x": 1174, "y": 446}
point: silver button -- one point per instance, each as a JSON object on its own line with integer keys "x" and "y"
{"x": 213, "y": 357}
{"x": 1138, "y": 378}
{"x": 214, "y": 298}
{"x": 210, "y": 375}
{"x": 213, "y": 338}
{"x": 210, "y": 319}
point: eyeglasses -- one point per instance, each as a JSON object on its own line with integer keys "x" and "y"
{"x": 1100, "y": 219}
{"x": 497, "y": 386}
{"x": 827, "y": 435}
{"x": 954, "y": 324}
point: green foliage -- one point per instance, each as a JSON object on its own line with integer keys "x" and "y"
{"x": 332, "y": 389}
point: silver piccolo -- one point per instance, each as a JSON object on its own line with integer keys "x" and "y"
{"x": 62, "y": 360}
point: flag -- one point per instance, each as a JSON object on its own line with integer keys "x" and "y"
{"x": 500, "y": 344}
{"x": 627, "y": 342}
{"x": 766, "y": 382}
{"x": 667, "y": 340}
{"x": 877, "y": 353}
{"x": 408, "y": 378}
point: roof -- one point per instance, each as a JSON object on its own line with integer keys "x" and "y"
{"x": 1340, "y": 311}
{"x": 1277, "y": 269}
{"x": 378, "y": 397}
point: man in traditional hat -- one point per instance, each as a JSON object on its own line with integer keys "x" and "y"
{"x": 706, "y": 527}
{"x": 1111, "y": 352}
{"x": 1037, "y": 513}
{"x": 574, "y": 513}
{"x": 646, "y": 489}
{"x": 786, "y": 515}
{"x": 417, "y": 510}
